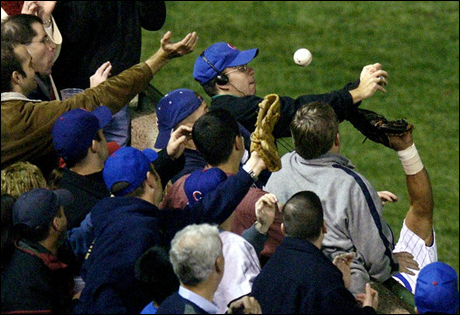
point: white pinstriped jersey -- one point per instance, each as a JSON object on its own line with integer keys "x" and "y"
{"x": 424, "y": 255}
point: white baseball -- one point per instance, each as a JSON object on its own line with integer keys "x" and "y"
{"x": 303, "y": 57}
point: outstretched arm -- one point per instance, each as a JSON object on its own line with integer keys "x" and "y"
{"x": 170, "y": 50}
{"x": 419, "y": 218}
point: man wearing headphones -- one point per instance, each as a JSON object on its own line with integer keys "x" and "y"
{"x": 224, "y": 73}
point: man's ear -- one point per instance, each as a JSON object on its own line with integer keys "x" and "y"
{"x": 239, "y": 143}
{"x": 150, "y": 180}
{"x": 337, "y": 139}
{"x": 324, "y": 229}
{"x": 16, "y": 77}
{"x": 94, "y": 146}
{"x": 56, "y": 224}
{"x": 283, "y": 229}
{"x": 220, "y": 264}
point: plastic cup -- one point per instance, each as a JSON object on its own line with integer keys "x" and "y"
{"x": 67, "y": 93}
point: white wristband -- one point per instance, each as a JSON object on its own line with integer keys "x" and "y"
{"x": 410, "y": 159}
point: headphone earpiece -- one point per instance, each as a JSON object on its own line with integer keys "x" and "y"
{"x": 221, "y": 78}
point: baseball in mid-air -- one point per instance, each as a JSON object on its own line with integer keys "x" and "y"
{"x": 303, "y": 57}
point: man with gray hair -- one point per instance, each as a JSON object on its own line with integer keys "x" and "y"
{"x": 198, "y": 262}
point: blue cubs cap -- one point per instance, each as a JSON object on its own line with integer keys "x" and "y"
{"x": 39, "y": 206}
{"x": 74, "y": 131}
{"x": 200, "y": 182}
{"x": 436, "y": 290}
{"x": 130, "y": 165}
{"x": 172, "y": 109}
{"x": 221, "y": 56}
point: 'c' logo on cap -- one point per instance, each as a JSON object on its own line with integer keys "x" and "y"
{"x": 197, "y": 195}
{"x": 231, "y": 46}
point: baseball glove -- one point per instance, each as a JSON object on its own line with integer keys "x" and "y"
{"x": 377, "y": 128}
{"x": 262, "y": 139}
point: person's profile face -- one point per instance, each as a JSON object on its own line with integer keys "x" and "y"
{"x": 241, "y": 79}
{"x": 41, "y": 48}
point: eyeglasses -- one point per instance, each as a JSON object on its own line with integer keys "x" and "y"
{"x": 46, "y": 41}
{"x": 242, "y": 68}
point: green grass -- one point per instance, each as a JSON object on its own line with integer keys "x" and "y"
{"x": 416, "y": 42}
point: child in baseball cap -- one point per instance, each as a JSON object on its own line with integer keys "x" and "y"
{"x": 436, "y": 290}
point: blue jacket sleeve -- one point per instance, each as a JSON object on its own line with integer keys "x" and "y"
{"x": 80, "y": 238}
{"x": 215, "y": 207}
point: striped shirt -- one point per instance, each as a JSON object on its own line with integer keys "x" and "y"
{"x": 423, "y": 255}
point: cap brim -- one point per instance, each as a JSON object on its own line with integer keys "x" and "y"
{"x": 244, "y": 57}
{"x": 103, "y": 114}
{"x": 152, "y": 155}
{"x": 163, "y": 139}
{"x": 64, "y": 196}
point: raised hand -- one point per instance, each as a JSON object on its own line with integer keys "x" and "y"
{"x": 266, "y": 208}
{"x": 179, "y": 49}
{"x": 101, "y": 74}
{"x": 387, "y": 196}
{"x": 372, "y": 79}
{"x": 177, "y": 141}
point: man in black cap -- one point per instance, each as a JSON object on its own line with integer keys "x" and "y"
{"x": 39, "y": 277}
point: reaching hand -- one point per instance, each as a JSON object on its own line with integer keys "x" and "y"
{"x": 343, "y": 262}
{"x": 266, "y": 208}
{"x": 177, "y": 141}
{"x": 256, "y": 163}
{"x": 399, "y": 143}
{"x": 372, "y": 79}
{"x": 179, "y": 49}
{"x": 101, "y": 74}
{"x": 387, "y": 196}
{"x": 42, "y": 9}
{"x": 406, "y": 261}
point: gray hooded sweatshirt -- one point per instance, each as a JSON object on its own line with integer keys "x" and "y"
{"x": 352, "y": 212}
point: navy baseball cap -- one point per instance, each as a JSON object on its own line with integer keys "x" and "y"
{"x": 74, "y": 131}
{"x": 201, "y": 182}
{"x": 128, "y": 164}
{"x": 221, "y": 56}
{"x": 436, "y": 290}
{"x": 39, "y": 206}
{"x": 172, "y": 109}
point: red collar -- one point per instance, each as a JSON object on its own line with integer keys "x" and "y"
{"x": 50, "y": 260}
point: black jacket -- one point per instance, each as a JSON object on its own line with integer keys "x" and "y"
{"x": 245, "y": 109}
{"x": 94, "y": 32}
{"x": 35, "y": 280}
{"x": 300, "y": 279}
